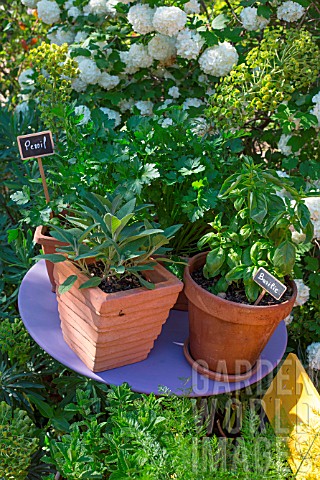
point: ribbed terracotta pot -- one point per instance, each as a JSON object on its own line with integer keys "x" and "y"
{"x": 49, "y": 245}
{"x": 228, "y": 336}
{"x": 109, "y": 330}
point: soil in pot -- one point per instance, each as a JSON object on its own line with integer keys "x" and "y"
{"x": 237, "y": 293}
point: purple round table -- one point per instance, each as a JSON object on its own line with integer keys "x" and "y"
{"x": 166, "y": 365}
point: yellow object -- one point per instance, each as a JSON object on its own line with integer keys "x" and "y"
{"x": 292, "y": 405}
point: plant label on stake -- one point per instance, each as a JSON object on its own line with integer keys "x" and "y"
{"x": 269, "y": 283}
{"x": 37, "y": 145}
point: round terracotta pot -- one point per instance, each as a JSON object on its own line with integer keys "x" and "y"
{"x": 228, "y": 337}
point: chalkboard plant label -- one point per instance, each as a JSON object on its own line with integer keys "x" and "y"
{"x": 35, "y": 145}
{"x": 269, "y": 283}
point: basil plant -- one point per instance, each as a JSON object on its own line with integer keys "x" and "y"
{"x": 259, "y": 214}
{"x": 112, "y": 233}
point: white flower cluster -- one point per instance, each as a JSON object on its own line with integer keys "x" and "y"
{"x": 85, "y": 111}
{"x": 135, "y": 58}
{"x": 191, "y": 102}
{"x": 97, "y": 7}
{"x": 174, "y": 92}
{"x": 283, "y": 146}
{"x": 162, "y": 47}
{"x": 313, "y": 353}
{"x": 89, "y": 72}
{"x": 288, "y": 320}
{"x": 316, "y": 109}
{"x": 169, "y": 20}
{"x": 298, "y": 237}
{"x": 219, "y": 60}
{"x": 74, "y": 12}
{"x": 313, "y": 204}
{"x": 112, "y": 115}
{"x": 251, "y": 20}
{"x": 189, "y": 44}
{"x": 145, "y": 107}
{"x": 193, "y": 6}
{"x": 290, "y": 11}
{"x": 25, "y": 80}
{"x": 108, "y": 81}
{"x": 59, "y": 36}
{"x": 302, "y": 294}
{"x": 141, "y": 18}
{"x": 30, "y": 3}
{"x": 48, "y": 11}
{"x": 165, "y": 122}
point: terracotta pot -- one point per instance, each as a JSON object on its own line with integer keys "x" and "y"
{"x": 228, "y": 336}
{"x": 49, "y": 245}
{"x": 109, "y": 330}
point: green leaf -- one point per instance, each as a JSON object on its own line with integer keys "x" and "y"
{"x": 145, "y": 283}
{"x": 252, "y": 290}
{"x": 92, "y": 282}
{"x": 236, "y": 273}
{"x": 12, "y": 234}
{"x": 52, "y": 257}
{"x": 214, "y": 261}
{"x": 67, "y": 284}
{"x": 264, "y": 11}
{"x": 303, "y": 214}
{"x": 219, "y": 22}
{"x": 284, "y": 257}
{"x": 127, "y": 209}
{"x": 258, "y": 207}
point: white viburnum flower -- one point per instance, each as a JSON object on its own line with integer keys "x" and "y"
{"x": 282, "y": 174}
{"x": 145, "y": 107}
{"x": 126, "y": 104}
{"x": 30, "y": 3}
{"x": 25, "y": 80}
{"x": 85, "y": 111}
{"x": 316, "y": 111}
{"x": 313, "y": 204}
{"x": 68, "y": 4}
{"x": 303, "y": 293}
{"x": 169, "y": 20}
{"x": 112, "y": 115}
{"x": 290, "y": 11}
{"x": 165, "y": 122}
{"x": 189, "y": 44}
{"x": 61, "y": 36}
{"x": 282, "y": 145}
{"x": 251, "y": 20}
{"x": 288, "y": 320}
{"x": 162, "y": 47}
{"x": 193, "y": 6}
{"x": 219, "y": 60}
{"x": 78, "y": 85}
{"x": 174, "y": 92}
{"x": 313, "y": 354}
{"x": 191, "y": 102}
{"x": 22, "y": 108}
{"x": 108, "y": 81}
{"x": 89, "y": 72}
{"x": 97, "y": 7}
{"x": 135, "y": 58}
{"x": 141, "y": 17}
{"x": 74, "y": 12}
{"x": 48, "y": 11}
{"x": 81, "y": 36}
{"x": 316, "y": 98}
{"x": 298, "y": 237}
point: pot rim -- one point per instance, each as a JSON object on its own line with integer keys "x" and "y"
{"x": 224, "y": 301}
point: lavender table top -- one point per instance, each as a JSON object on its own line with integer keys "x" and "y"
{"x": 164, "y": 367}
